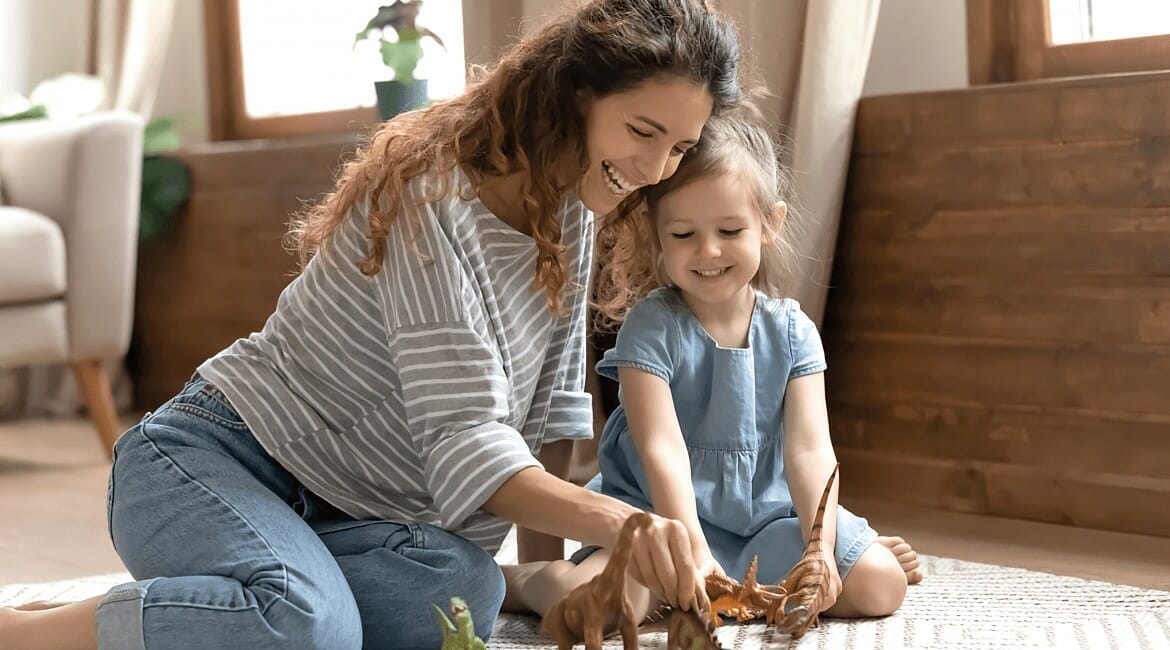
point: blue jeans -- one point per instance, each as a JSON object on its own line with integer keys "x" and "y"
{"x": 229, "y": 550}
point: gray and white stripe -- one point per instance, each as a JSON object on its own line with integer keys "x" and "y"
{"x": 413, "y": 395}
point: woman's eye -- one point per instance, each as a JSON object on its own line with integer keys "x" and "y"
{"x": 640, "y": 133}
{"x": 681, "y": 235}
{"x": 681, "y": 151}
{"x": 730, "y": 233}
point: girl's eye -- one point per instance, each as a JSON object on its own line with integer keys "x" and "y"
{"x": 640, "y": 133}
{"x": 681, "y": 235}
{"x": 730, "y": 233}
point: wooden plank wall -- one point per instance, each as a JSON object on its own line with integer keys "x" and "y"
{"x": 216, "y": 274}
{"x": 998, "y": 327}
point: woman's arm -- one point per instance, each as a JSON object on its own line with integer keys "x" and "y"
{"x": 662, "y": 557}
{"x": 534, "y": 546}
{"x": 658, "y": 438}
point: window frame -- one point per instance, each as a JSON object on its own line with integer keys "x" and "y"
{"x": 1008, "y": 40}
{"x": 228, "y": 116}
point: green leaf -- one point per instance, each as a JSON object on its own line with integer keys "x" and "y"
{"x": 160, "y": 135}
{"x": 166, "y": 185}
{"x": 34, "y": 112}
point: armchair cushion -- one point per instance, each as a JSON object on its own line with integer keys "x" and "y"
{"x": 84, "y": 175}
{"x": 32, "y": 257}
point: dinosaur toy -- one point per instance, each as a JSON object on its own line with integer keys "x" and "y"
{"x": 458, "y": 634}
{"x": 601, "y": 605}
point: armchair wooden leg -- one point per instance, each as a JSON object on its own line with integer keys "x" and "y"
{"x": 95, "y": 385}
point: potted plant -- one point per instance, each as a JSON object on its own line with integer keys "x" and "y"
{"x": 401, "y": 55}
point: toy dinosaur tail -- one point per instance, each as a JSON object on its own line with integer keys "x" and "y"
{"x": 819, "y": 521}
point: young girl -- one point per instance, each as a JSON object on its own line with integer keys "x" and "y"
{"x": 322, "y": 483}
{"x": 722, "y": 423}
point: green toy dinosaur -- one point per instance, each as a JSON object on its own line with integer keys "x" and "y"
{"x": 460, "y": 634}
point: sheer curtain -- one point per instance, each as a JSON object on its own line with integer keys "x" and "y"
{"x": 812, "y": 56}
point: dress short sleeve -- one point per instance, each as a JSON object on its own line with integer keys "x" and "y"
{"x": 804, "y": 341}
{"x": 648, "y": 340}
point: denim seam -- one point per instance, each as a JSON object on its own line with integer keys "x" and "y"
{"x": 199, "y": 411}
{"x": 212, "y": 608}
{"x": 866, "y": 539}
{"x": 173, "y": 464}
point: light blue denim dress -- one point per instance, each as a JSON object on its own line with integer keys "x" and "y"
{"x": 729, "y": 405}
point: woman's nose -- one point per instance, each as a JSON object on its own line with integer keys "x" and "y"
{"x": 656, "y": 167}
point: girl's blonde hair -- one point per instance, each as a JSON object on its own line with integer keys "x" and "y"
{"x": 525, "y": 116}
{"x": 736, "y": 143}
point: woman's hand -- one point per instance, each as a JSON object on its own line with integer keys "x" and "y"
{"x": 662, "y": 560}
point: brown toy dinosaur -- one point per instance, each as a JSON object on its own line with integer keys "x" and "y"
{"x": 600, "y": 605}
{"x": 794, "y": 604}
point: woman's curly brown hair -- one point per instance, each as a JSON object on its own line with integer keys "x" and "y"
{"x": 737, "y": 142}
{"x": 525, "y": 116}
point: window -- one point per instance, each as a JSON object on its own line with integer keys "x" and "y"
{"x": 292, "y": 68}
{"x": 1017, "y": 40}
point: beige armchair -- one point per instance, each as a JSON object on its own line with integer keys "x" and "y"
{"x": 69, "y": 192}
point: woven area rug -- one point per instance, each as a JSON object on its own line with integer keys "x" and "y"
{"x": 959, "y": 605}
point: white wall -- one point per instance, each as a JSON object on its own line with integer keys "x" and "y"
{"x": 919, "y": 45}
{"x": 41, "y": 39}
{"x": 183, "y": 91}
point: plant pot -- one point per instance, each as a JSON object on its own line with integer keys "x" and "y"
{"x": 396, "y": 97}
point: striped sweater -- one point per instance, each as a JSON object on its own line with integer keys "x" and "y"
{"x": 414, "y": 394}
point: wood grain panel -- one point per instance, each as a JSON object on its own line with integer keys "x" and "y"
{"x": 1111, "y": 502}
{"x": 998, "y": 328}
{"x": 1047, "y": 112}
{"x": 215, "y": 275}
{"x": 1133, "y": 173}
{"x": 1048, "y": 307}
{"x": 1125, "y": 379}
{"x": 912, "y": 241}
{"x": 911, "y": 478}
{"x": 1028, "y": 436}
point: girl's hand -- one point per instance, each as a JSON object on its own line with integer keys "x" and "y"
{"x": 661, "y": 559}
{"x": 708, "y": 565}
{"x": 833, "y": 584}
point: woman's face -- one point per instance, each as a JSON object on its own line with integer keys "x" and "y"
{"x": 638, "y": 136}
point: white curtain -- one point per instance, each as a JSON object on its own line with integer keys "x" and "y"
{"x": 812, "y": 56}
{"x": 132, "y": 38}
{"x": 130, "y": 46}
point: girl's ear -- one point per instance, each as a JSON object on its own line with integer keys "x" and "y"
{"x": 776, "y": 223}
{"x": 779, "y": 212}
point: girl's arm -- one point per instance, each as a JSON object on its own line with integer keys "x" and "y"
{"x": 809, "y": 457}
{"x": 658, "y": 438}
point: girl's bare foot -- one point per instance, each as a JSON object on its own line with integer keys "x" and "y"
{"x": 907, "y": 557}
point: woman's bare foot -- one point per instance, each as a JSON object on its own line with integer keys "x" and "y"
{"x": 38, "y": 605}
{"x": 907, "y": 557}
{"x": 50, "y": 625}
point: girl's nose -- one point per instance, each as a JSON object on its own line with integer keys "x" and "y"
{"x": 709, "y": 247}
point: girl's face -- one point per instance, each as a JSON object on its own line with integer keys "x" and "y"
{"x": 711, "y": 233}
{"x": 637, "y": 137}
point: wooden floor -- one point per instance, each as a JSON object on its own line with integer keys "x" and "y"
{"x": 53, "y": 522}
